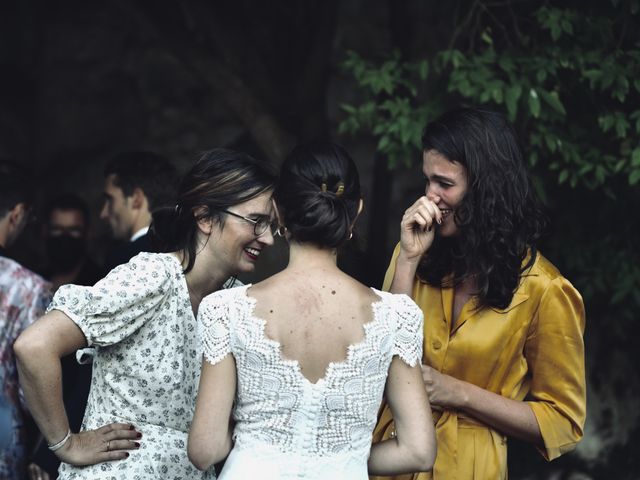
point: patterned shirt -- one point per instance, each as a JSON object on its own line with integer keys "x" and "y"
{"x": 23, "y": 298}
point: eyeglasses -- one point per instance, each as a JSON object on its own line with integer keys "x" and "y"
{"x": 260, "y": 225}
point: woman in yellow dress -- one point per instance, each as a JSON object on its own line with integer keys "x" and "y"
{"x": 503, "y": 329}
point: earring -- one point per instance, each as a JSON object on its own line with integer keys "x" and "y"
{"x": 350, "y": 235}
{"x": 281, "y": 231}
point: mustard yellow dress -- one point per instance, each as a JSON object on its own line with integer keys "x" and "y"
{"x": 533, "y": 348}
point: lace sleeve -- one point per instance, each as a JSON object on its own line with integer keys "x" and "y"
{"x": 409, "y": 326}
{"x": 213, "y": 322}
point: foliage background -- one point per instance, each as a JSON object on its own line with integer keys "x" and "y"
{"x": 84, "y": 80}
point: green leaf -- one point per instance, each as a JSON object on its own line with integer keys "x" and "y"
{"x": 534, "y": 103}
{"x": 511, "y": 97}
{"x": 497, "y": 95}
{"x": 606, "y": 122}
{"x": 423, "y": 70}
{"x": 486, "y": 38}
{"x": 635, "y": 157}
{"x": 541, "y": 76}
{"x": 564, "y": 174}
{"x": 566, "y": 26}
{"x": 553, "y": 100}
{"x": 634, "y": 177}
{"x": 621, "y": 127}
{"x": 348, "y": 108}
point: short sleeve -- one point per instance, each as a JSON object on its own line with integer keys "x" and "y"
{"x": 214, "y": 324}
{"x": 409, "y": 331}
{"x": 119, "y": 304}
{"x": 555, "y": 353}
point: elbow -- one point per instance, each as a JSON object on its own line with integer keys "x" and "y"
{"x": 27, "y": 346}
{"x": 199, "y": 460}
{"x": 203, "y": 456}
{"x": 424, "y": 455}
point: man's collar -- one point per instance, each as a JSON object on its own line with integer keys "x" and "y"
{"x": 140, "y": 233}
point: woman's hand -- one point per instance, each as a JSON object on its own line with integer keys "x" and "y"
{"x": 443, "y": 390}
{"x": 37, "y": 473}
{"x": 103, "y": 444}
{"x": 417, "y": 229}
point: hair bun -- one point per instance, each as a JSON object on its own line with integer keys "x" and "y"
{"x": 319, "y": 194}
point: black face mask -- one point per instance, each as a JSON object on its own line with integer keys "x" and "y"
{"x": 65, "y": 252}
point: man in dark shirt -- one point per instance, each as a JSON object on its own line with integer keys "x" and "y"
{"x": 136, "y": 183}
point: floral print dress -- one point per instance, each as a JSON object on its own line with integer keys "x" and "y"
{"x": 147, "y": 366}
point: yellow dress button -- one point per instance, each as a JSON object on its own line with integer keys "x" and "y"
{"x": 437, "y": 345}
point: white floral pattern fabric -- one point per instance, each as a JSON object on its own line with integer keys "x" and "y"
{"x": 146, "y": 368}
{"x": 286, "y": 426}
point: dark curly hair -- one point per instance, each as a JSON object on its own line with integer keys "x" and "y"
{"x": 318, "y": 194}
{"x": 499, "y": 219}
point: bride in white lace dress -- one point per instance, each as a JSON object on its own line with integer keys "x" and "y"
{"x": 307, "y": 353}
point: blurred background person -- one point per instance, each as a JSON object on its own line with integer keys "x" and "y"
{"x": 66, "y": 238}
{"x": 136, "y": 183}
{"x": 23, "y": 297}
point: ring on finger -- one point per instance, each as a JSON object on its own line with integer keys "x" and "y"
{"x": 108, "y": 442}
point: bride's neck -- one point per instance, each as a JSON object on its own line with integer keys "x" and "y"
{"x": 306, "y": 256}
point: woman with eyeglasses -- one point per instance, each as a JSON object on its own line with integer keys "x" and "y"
{"x": 141, "y": 319}
{"x": 307, "y": 353}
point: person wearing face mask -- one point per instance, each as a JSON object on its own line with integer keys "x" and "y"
{"x": 66, "y": 233}
{"x": 503, "y": 329}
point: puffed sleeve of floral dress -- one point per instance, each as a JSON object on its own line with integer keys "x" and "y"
{"x": 119, "y": 304}
{"x": 214, "y": 324}
{"x": 409, "y": 330}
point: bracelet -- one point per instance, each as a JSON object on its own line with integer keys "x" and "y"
{"x": 60, "y": 444}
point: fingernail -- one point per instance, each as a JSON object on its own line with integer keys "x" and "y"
{"x": 138, "y": 435}
{"x": 136, "y": 444}
{"x": 131, "y": 427}
{"x": 126, "y": 455}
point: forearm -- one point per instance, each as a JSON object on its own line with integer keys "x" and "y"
{"x": 512, "y": 417}
{"x": 404, "y": 275}
{"x": 390, "y": 458}
{"x": 41, "y": 381}
{"x": 38, "y": 350}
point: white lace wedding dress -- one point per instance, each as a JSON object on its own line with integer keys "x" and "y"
{"x": 286, "y": 426}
